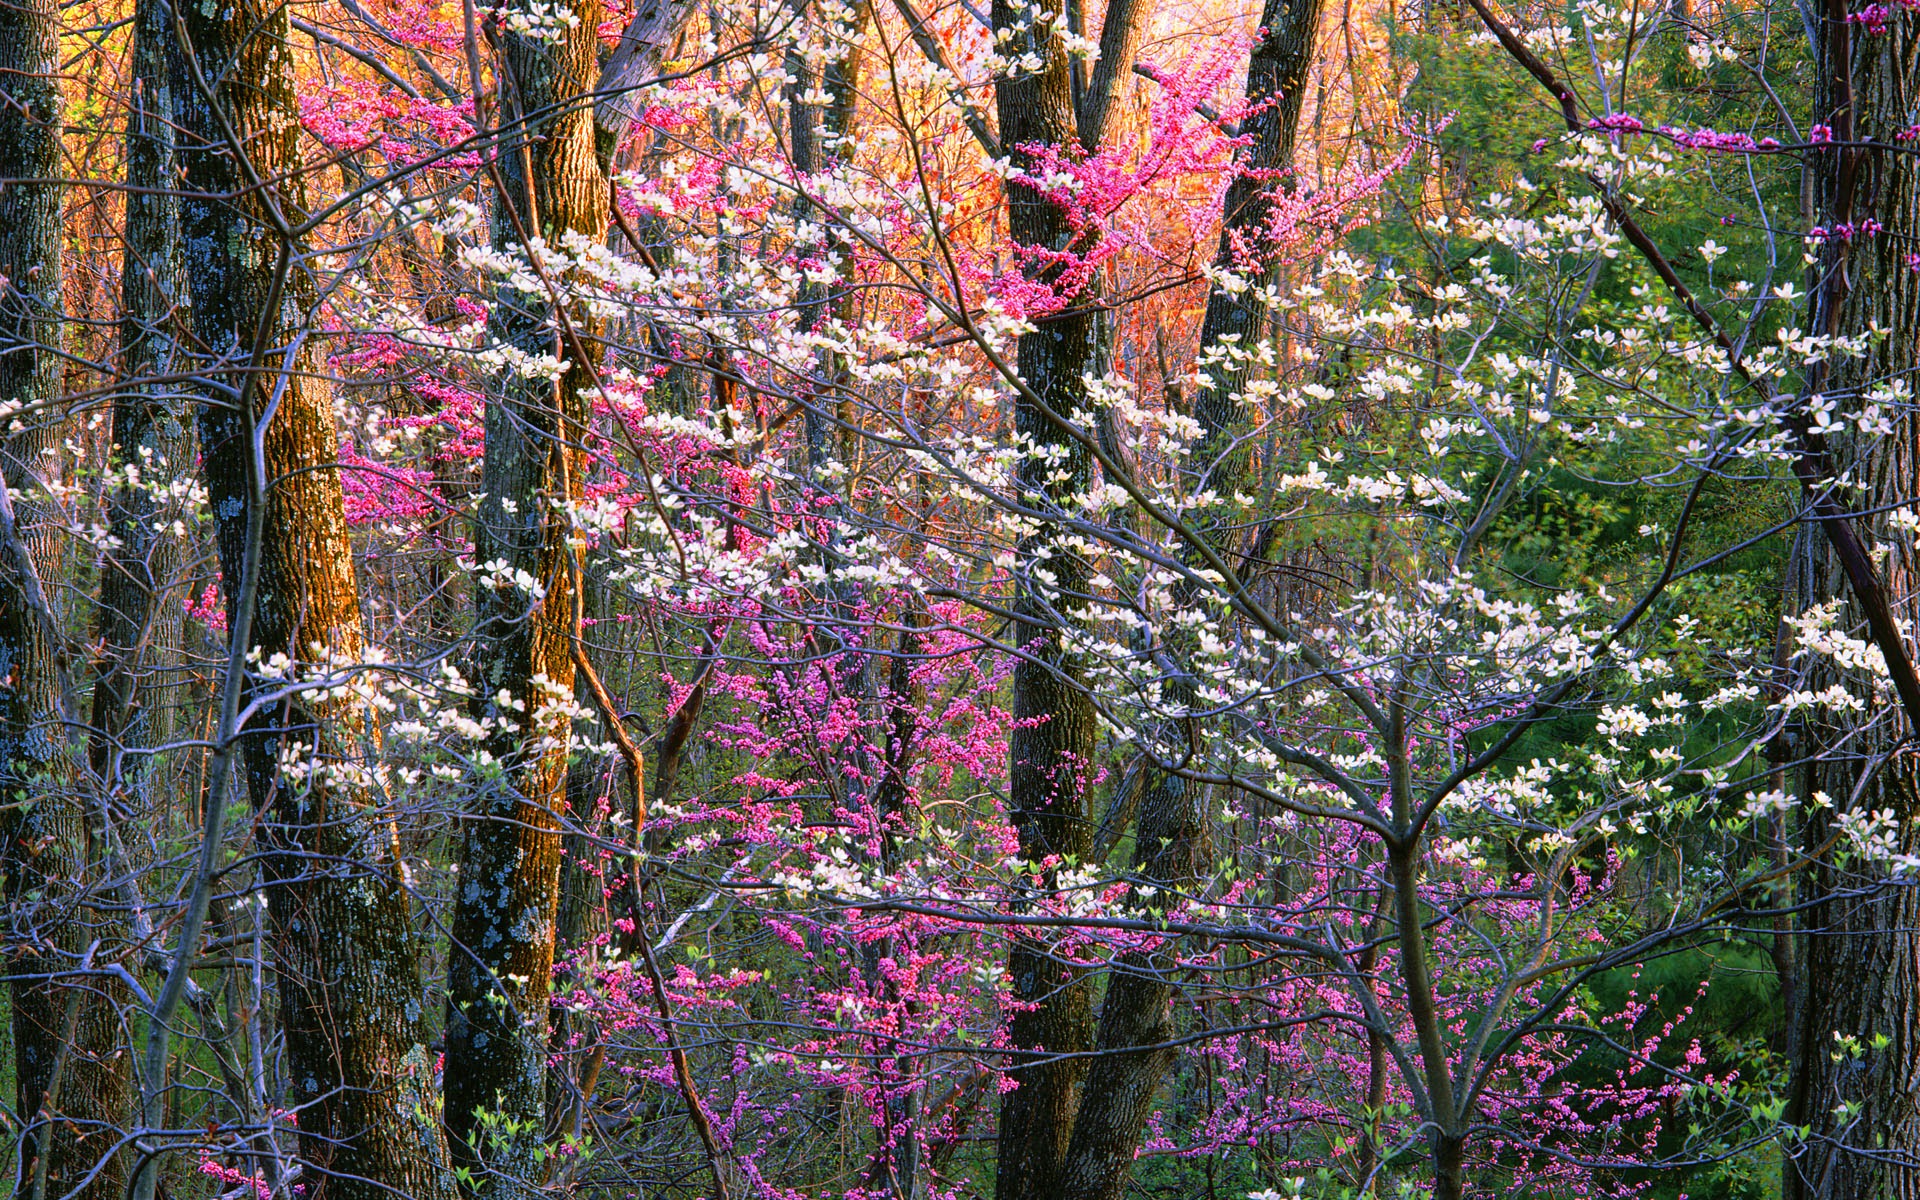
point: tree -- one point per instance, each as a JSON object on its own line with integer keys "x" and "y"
{"x": 346, "y": 953}
{"x": 1857, "y": 1057}
{"x": 1052, "y": 748}
{"x": 549, "y": 191}
{"x": 70, "y": 1088}
{"x": 1136, "y": 1030}
{"x": 1323, "y": 631}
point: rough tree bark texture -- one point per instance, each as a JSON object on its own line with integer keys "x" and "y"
{"x": 1862, "y": 941}
{"x": 347, "y": 956}
{"x": 1171, "y": 839}
{"x": 153, "y": 308}
{"x": 550, "y": 184}
{"x": 1053, "y": 739}
{"x": 70, "y": 1086}
{"x": 644, "y": 46}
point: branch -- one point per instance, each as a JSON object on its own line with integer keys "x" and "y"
{"x": 357, "y": 54}
{"x": 937, "y": 55}
{"x": 1810, "y": 464}
{"x": 644, "y": 45}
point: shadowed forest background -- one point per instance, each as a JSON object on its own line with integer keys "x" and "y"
{"x": 909, "y": 600}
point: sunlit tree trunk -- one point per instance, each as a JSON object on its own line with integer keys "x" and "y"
{"x": 346, "y": 953}
{"x": 596, "y": 790}
{"x": 550, "y": 184}
{"x": 1136, "y": 1026}
{"x": 647, "y": 41}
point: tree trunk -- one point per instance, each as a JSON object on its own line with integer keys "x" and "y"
{"x": 70, "y": 1085}
{"x": 549, "y": 184}
{"x": 1861, "y": 967}
{"x": 599, "y": 789}
{"x": 646, "y": 41}
{"x": 1170, "y": 843}
{"x": 153, "y": 309}
{"x": 346, "y": 952}
{"x": 1053, "y": 737}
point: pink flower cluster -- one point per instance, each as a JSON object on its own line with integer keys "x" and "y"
{"x": 256, "y": 1184}
{"x": 209, "y": 609}
{"x": 1846, "y": 231}
{"x": 1711, "y": 139}
{"x": 1873, "y": 18}
{"x": 1877, "y": 18}
{"x": 1617, "y": 123}
{"x": 1703, "y": 138}
{"x": 356, "y": 115}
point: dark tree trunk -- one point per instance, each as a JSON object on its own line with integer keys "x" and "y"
{"x": 550, "y": 184}
{"x": 1861, "y": 966}
{"x": 70, "y": 1087}
{"x": 346, "y": 952}
{"x": 153, "y": 308}
{"x": 819, "y": 140}
{"x": 1053, "y": 740}
{"x": 1171, "y": 840}
{"x": 895, "y": 1167}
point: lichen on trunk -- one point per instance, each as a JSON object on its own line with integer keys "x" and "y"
{"x": 347, "y": 955}
{"x": 549, "y": 184}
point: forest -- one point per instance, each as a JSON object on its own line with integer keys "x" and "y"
{"x": 960, "y": 599}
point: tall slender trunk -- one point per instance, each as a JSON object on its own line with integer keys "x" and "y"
{"x": 549, "y": 184}
{"x": 819, "y": 141}
{"x": 1861, "y": 965}
{"x": 70, "y": 1087}
{"x": 895, "y": 1168}
{"x": 1052, "y": 744}
{"x": 1171, "y": 850}
{"x": 153, "y": 311}
{"x": 345, "y": 950}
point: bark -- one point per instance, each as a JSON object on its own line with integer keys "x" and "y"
{"x": 645, "y": 44}
{"x": 1278, "y": 65}
{"x": 1094, "y": 107}
{"x": 70, "y": 1085}
{"x": 1861, "y": 968}
{"x": 346, "y": 954}
{"x": 1170, "y": 843}
{"x": 550, "y": 184}
{"x": 598, "y": 787}
{"x": 1052, "y": 743}
{"x": 153, "y": 310}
